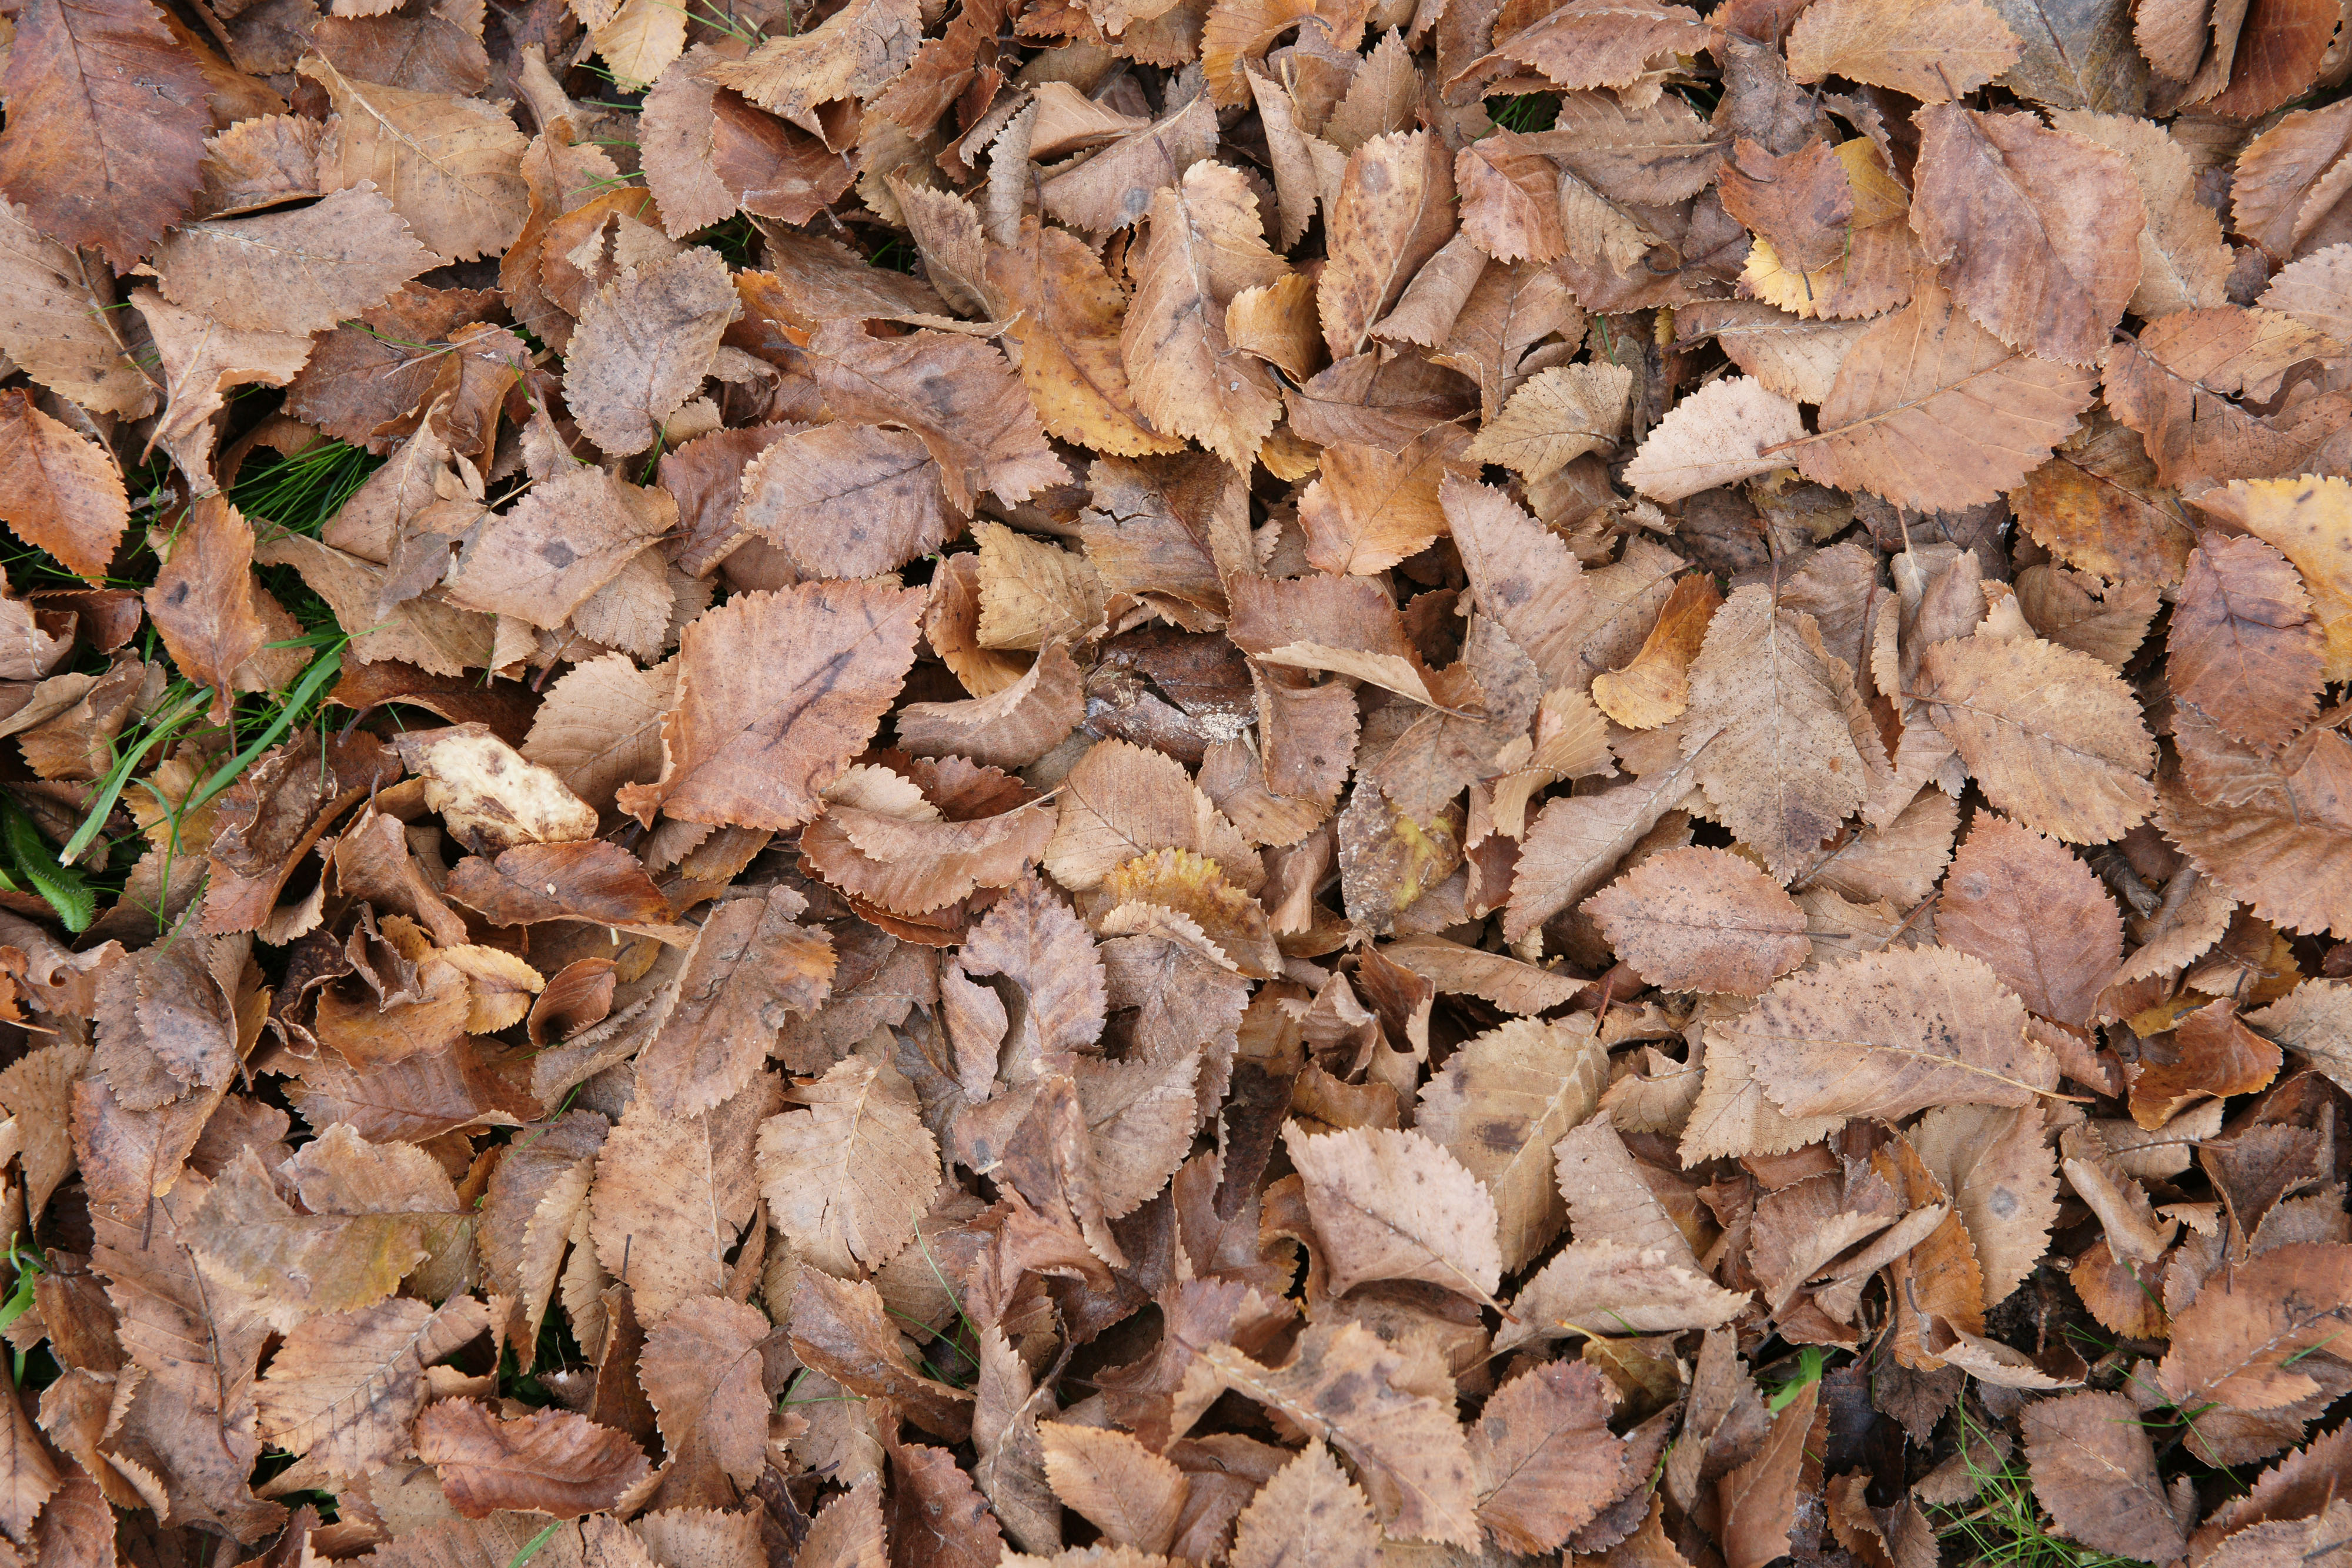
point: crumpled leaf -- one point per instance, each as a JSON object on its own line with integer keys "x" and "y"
{"x": 553, "y": 1461}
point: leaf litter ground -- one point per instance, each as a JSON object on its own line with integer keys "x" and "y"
{"x": 1099, "y": 782}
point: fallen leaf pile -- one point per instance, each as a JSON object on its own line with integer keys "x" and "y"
{"x": 1102, "y": 783}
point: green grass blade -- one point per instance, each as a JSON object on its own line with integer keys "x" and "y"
{"x": 62, "y": 885}
{"x": 323, "y": 669}
{"x": 109, "y": 789}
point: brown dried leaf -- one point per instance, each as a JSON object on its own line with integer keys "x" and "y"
{"x": 1395, "y": 1206}
{"x": 956, "y": 392}
{"x": 1113, "y": 187}
{"x": 1603, "y": 1288}
{"x": 1702, "y": 920}
{"x": 2184, "y": 265}
{"x": 701, "y": 1369}
{"x": 1010, "y": 728}
{"x": 1655, "y": 689}
{"x": 567, "y": 538}
{"x": 1759, "y": 1499}
{"x": 1070, "y": 320}
{"x": 298, "y": 271}
{"x": 841, "y": 1329}
{"x": 1931, "y": 411}
{"x": 1369, "y": 509}
{"x": 1933, "y": 52}
{"x": 1546, "y": 1461}
{"x": 1997, "y": 1168}
{"x": 644, "y": 344}
{"x": 1206, "y": 245}
{"x": 752, "y": 740}
{"x": 2036, "y": 914}
{"x": 1133, "y": 1496}
{"x": 534, "y": 1196}
{"x": 2038, "y": 230}
{"x": 375, "y": 1211}
{"x": 847, "y": 1179}
{"x": 2095, "y": 1470}
{"x": 656, "y": 1219}
{"x": 749, "y": 968}
{"x": 56, "y": 324}
{"x": 1501, "y": 1102}
{"x": 208, "y": 609}
{"x": 344, "y": 1387}
{"x": 1768, "y": 729}
{"x": 58, "y": 492}
{"x": 852, "y": 55}
{"x": 553, "y": 1461}
{"x": 1510, "y": 198}
{"x": 1891, "y": 1032}
{"x": 2171, "y": 384}
{"x": 1727, "y": 430}
{"x": 1310, "y": 1512}
{"x": 1344, "y": 1386}
{"x": 449, "y": 164}
{"x": 2243, "y": 646}
{"x": 585, "y": 879}
{"x": 1554, "y": 418}
{"x": 2054, "y": 737}
{"x": 106, "y": 126}
{"x": 1392, "y": 212}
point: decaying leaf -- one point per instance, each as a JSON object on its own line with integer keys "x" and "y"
{"x": 2095, "y": 1470}
{"x": 847, "y": 1179}
{"x": 1702, "y": 920}
{"x": 1130, "y": 783}
{"x": 1892, "y": 1032}
{"x": 1395, "y": 1206}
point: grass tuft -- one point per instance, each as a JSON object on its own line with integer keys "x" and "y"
{"x": 300, "y": 494}
{"x": 1527, "y": 114}
{"x": 2006, "y": 1527}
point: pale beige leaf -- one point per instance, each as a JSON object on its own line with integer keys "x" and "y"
{"x": 599, "y": 727}
{"x": 1132, "y": 1495}
{"x": 1395, "y": 1206}
{"x": 1500, "y": 1104}
{"x": 847, "y": 1178}
{"x": 1727, "y": 430}
{"x": 644, "y": 344}
{"x": 1310, "y": 1515}
{"x": 2054, "y": 737}
{"x": 1607, "y": 1198}
{"x": 1892, "y": 1032}
{"x": 1604, "y": 1288}
{"x": 492, "y": 798}
{"x": 1555, "y": 418}
{"x": 1702, "y": 920}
